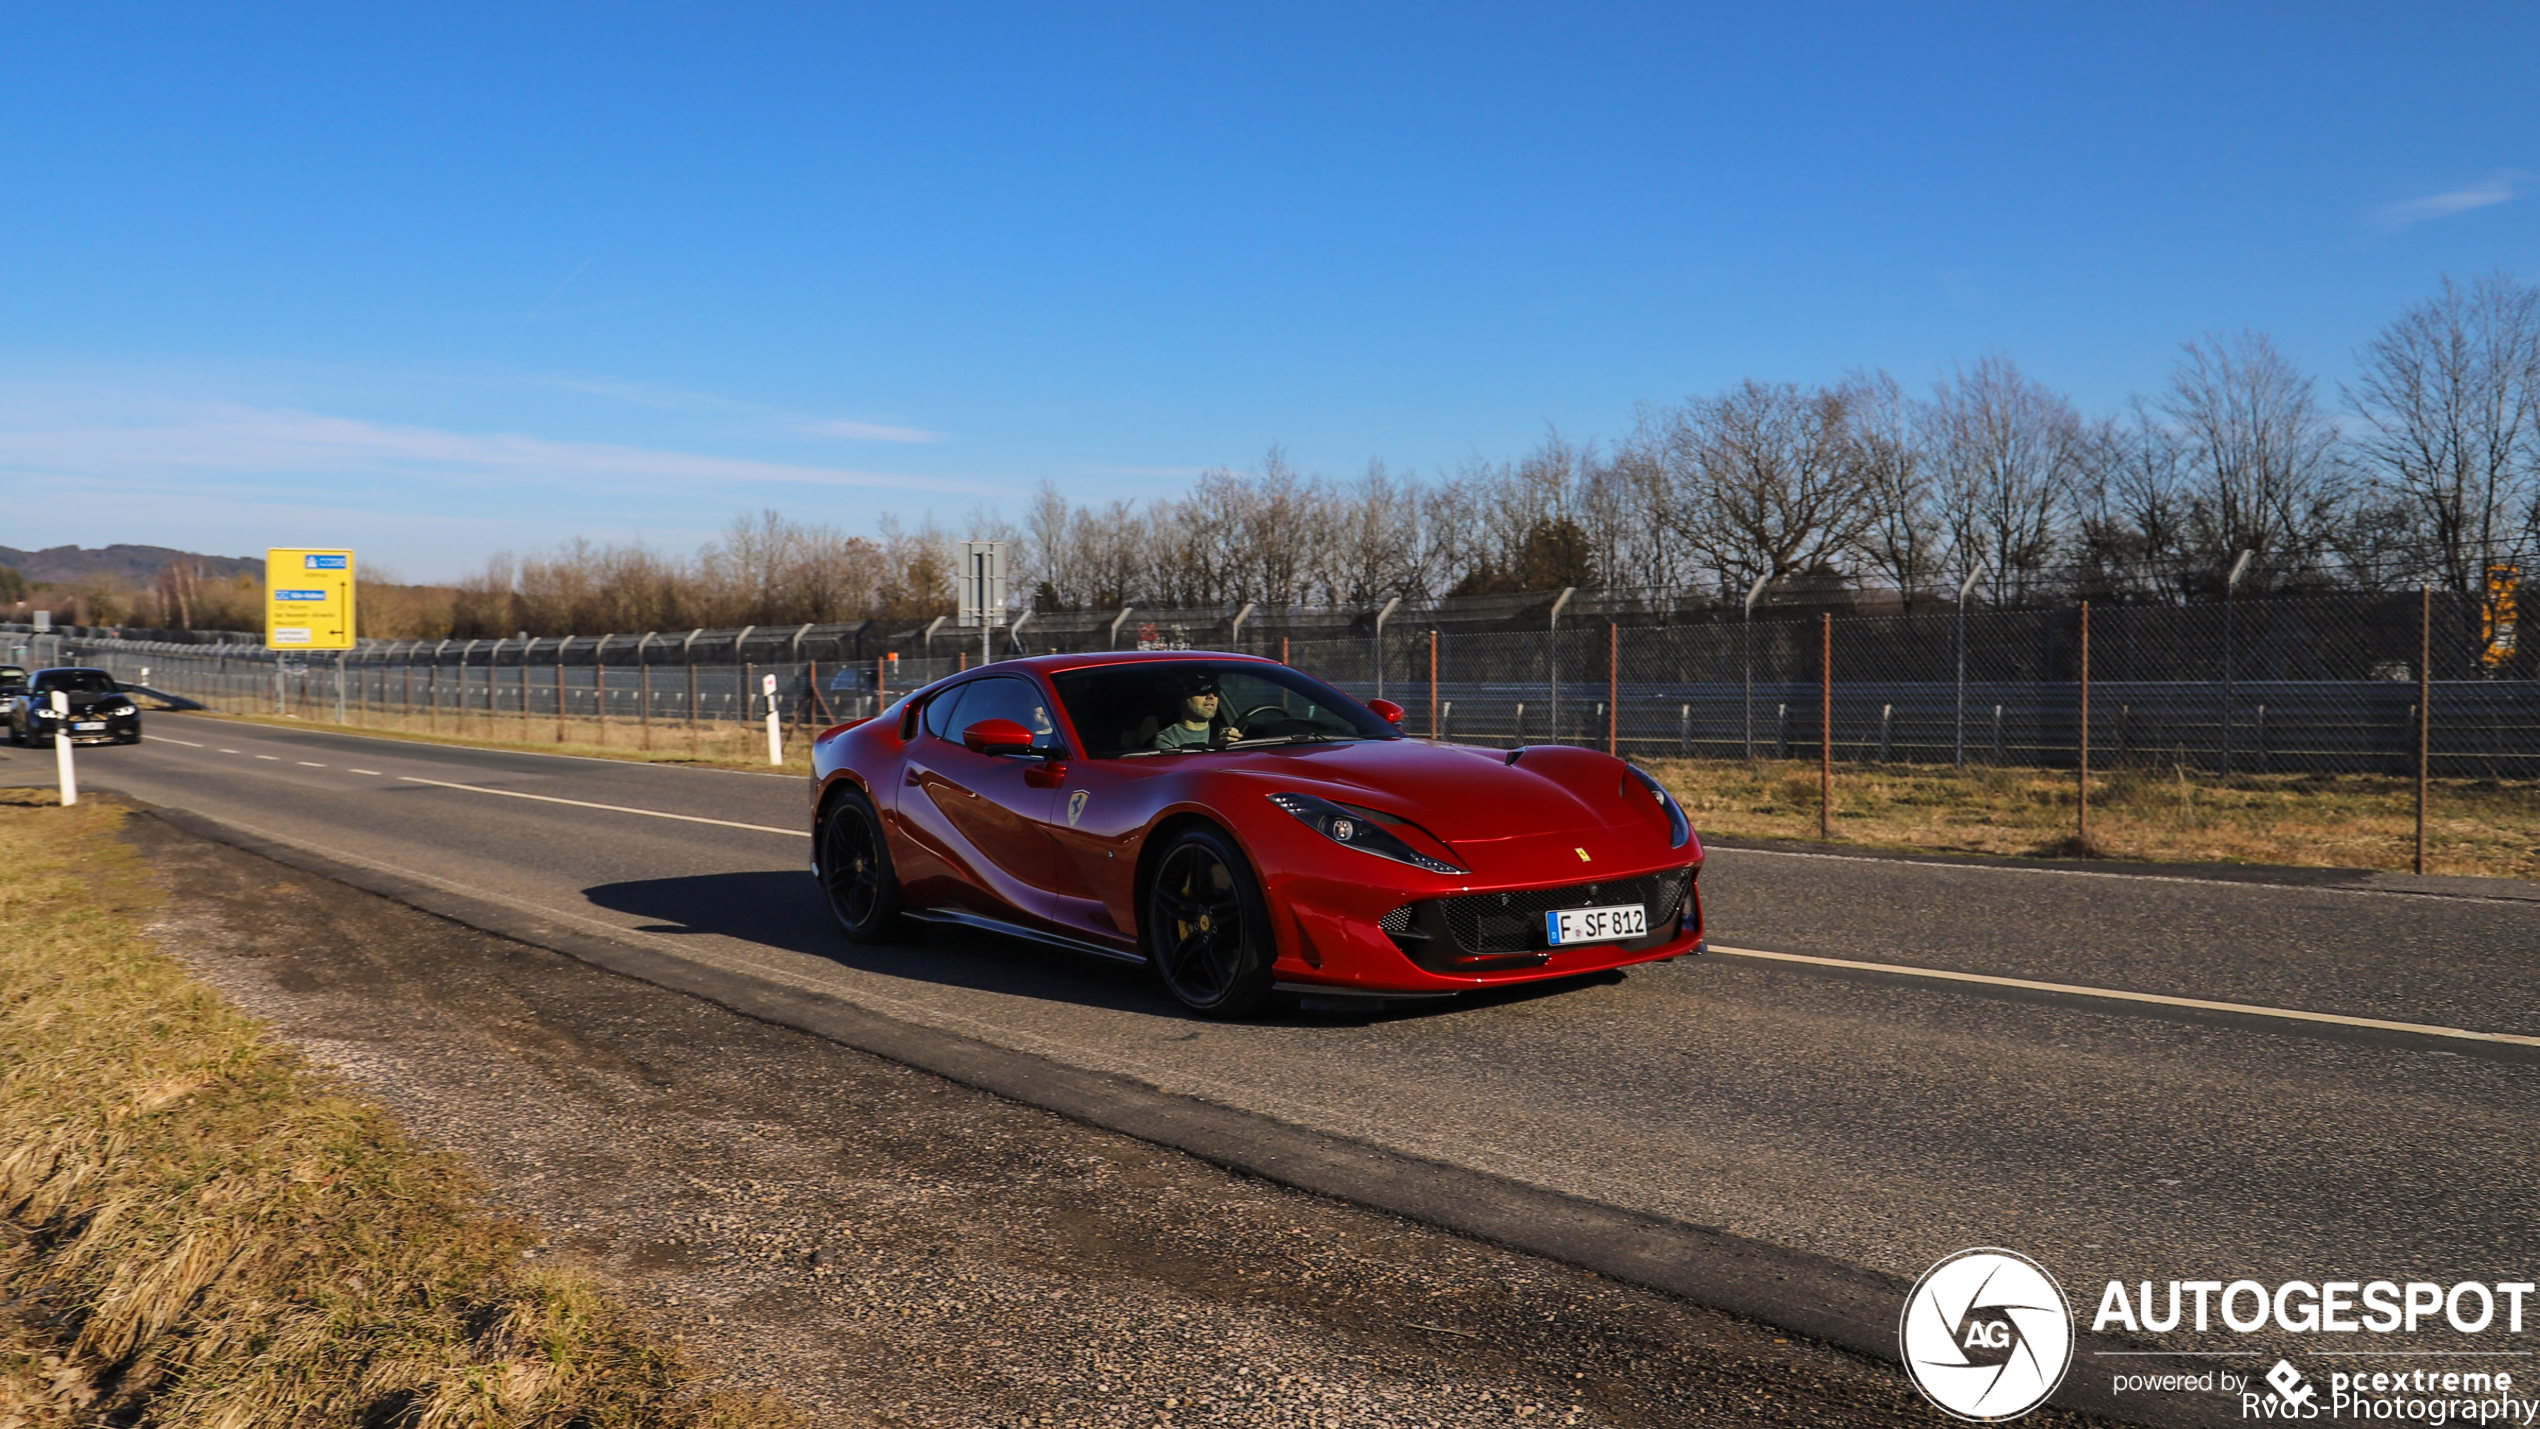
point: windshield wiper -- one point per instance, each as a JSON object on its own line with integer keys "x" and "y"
{"x": 1309, "y": 737}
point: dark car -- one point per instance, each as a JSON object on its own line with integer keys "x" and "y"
{"x": 12, "y": 680}
{"x": 100, "y": 711}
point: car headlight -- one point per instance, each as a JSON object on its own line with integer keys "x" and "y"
{"x": 1344, "y": 825}
{"x": 45, "y": 712}
{"x": 1679, "y": 828}
{"x": 119, "y": 711}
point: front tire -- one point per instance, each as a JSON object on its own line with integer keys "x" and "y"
{"x": 1207, "y": 927}
{"x": 856, "y": 875}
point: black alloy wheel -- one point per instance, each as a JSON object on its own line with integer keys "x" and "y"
{"x": 855, "y": 870}
{"x": 1207, "y": 927}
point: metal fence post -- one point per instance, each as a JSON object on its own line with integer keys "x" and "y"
{"x": 1747, "y": 629}
{"x": 2082, "y": 807}
{"x": 2425, "y": 707}
{"x": 1959, "y": 760}
{"x": 2231, "y": 583}
{"x": 1386, "y": 610}
{"x": 1613, "y": 686}
{"x": 1435, "y": 724}
{"x": 1552, "y": 656}
{"x": 1825, "y": 729}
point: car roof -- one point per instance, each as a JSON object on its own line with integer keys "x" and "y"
{"x": 75, "y": 670}
{"x": 1088, "y": 659}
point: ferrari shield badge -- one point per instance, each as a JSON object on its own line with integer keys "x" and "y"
{"x": 1076, "y": 806}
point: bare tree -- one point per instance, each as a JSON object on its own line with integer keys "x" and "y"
{"x": 1374, "y": 539}
{"x": 2450, "y": 400}
{"x": 1631, "y": 498}
{"x": 1905, "y": 539}
{"x": 2128, "y": 507}
{"x": 1767, "y": 481}
{"x": 1283, "y": 534}
{"x": 2008, "y": 450}
{"x": 2260, "y": 456}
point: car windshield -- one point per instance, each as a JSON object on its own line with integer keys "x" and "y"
{"x": 12, "y": 675}
{"x": 74, "y": 682}
{"x": 1162, "y": 707}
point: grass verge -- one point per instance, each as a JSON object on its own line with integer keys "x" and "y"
{"x": 198, "y": 1228}
{"x": 2484, "y": 827}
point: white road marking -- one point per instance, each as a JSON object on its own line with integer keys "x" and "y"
{"x": 612, "y": 808}
{"x": 163, "y": 739}
{"x": 340, "y": 732}
{"x": 371, "y": 772}
{"x": 276, "y": 758}
{"x": 2112, "y": 994}
{"x": 305, "y": 764}
{"x": 1958, "y": 867}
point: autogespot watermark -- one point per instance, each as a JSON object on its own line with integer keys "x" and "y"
{"x": 1987, "y": 1335}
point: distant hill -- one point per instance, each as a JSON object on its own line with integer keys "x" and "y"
{"x": 130, "y": 565}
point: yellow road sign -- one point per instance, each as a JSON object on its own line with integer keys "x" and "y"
{"x": 308, "y": 599}
{"x": 2499, "y": 620}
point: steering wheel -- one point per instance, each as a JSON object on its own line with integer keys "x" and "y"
{"x": 1245, "y": 719}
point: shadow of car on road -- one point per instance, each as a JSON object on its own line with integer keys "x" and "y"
{"x": 782, "y": 908}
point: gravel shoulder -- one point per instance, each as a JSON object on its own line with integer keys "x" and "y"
{"x": 880, "y": 1246}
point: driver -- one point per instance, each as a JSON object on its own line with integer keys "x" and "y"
{"x": 1195, "y": 721}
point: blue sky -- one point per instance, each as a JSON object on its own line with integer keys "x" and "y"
{"x": 433, "y": 281}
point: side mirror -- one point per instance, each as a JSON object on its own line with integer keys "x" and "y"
{"x": 1391, "y": 711}
{"x": 997, "y": 736}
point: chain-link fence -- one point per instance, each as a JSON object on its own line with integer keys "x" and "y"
{"x": 2318, "y": 684}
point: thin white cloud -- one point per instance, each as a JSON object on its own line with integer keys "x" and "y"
{"x": 668, "y": 399}
{"x": 252, "y": 443}
{"x": 2503, "y": 186}
{"x": 869, "y": 432}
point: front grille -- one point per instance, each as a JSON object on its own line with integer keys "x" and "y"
{"x": 1490, "y": 932}
{"x": 1500, "y": 923}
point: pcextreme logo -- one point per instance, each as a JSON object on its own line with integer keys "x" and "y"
{"x": 1987, "y": 1335}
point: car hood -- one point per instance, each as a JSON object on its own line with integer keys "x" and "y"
{"x": 1464, "y": 796}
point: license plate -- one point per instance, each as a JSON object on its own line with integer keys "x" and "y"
{"x": 88, "y": 724}
{"x": 1596, "y": 925}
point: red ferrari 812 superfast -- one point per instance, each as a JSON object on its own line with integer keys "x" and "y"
{"x": 1247, "y": 831}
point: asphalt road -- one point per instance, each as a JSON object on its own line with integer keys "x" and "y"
{"x": 1881, "y": 1121}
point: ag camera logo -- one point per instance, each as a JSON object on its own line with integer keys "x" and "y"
{"x": 1987, "y": 1335}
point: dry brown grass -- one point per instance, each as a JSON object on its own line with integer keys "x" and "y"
{"x": 2485, "y": 827}
{"x": 197, "y": 1228}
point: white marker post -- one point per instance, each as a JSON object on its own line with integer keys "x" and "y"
{"x": 775, "y": 734}
{"x": 62, "y": 749}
